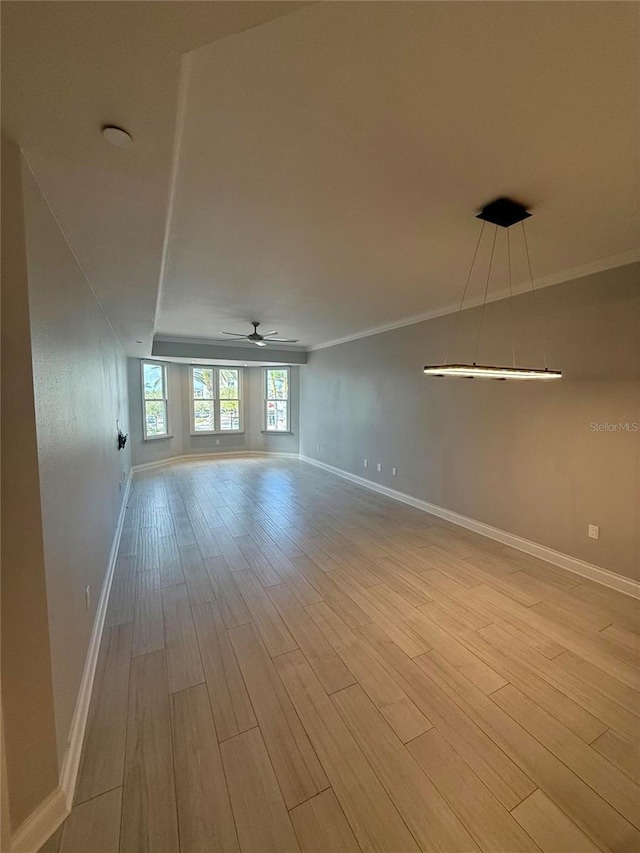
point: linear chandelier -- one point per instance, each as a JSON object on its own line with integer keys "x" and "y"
{"x": 484, "y": 371}
{"x": 504, "y": 213}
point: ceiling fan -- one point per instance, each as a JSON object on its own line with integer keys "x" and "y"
{"x": 260, "y": 340}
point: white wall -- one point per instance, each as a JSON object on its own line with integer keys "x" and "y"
{"x": 519, "y": 456}
{"x": 182, "y": 442}
{"x": 30, "y": 738}
{"x": 80, "y": 388}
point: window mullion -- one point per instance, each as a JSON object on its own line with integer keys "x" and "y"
{"x": 216, "y": 401}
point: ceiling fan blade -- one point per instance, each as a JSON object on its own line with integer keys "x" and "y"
{"x": 285, "y": 340}
{"x": 269, "y": 334}
{"x": 235, "y": 334}
{"x": 259, "y": 343}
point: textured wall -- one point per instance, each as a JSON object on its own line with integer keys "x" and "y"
{"x": 183, "y": 443}
{"x": 27, "y": 691}
{"x": 80, "y": 388}
{"x": 519, "y": 456}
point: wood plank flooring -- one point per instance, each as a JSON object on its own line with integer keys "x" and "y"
{"x": 292, "y": 663}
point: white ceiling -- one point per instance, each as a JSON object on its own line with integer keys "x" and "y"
{"x": 327, "y": 163}
{"x": 68, "y": 68}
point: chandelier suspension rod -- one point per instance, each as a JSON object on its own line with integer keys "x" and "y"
{"x": 464, "y": 293}
{"x": 535, "y": 296}
{"x": 513, "y": 334}
{"x": 486, "y": 290}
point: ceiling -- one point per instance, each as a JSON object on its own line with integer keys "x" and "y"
{"x": 68, "y": 68}
{"x": 317, "y": 167}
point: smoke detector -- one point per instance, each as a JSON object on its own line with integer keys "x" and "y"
{"x": 117, "y": 136}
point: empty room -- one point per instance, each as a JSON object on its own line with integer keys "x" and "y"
{"x": 320, "y": 427}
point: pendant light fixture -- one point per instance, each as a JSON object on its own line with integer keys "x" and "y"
{"x": 503, "y": 213}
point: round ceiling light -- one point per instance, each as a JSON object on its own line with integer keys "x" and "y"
{"x": 117, "y": 136}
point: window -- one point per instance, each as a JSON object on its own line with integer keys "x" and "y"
{"x": 216, "y": 396}
{"x": 276, "y": 403}
{"x": 154, "y": 400}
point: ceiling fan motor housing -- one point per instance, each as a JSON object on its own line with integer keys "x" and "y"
{"x": 255, "y": 336}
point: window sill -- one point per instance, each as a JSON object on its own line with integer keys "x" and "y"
{"x": 218, "y": 432}
{"x": 157, "y": 437}
{"x": 276, "y": 431}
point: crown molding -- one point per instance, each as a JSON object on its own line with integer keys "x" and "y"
{"x": 610, "y": 262}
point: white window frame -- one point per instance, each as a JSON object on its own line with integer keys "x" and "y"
{"x": 165, "y": 382}
{"x": 267, "y": 399}
{"x": 216, "y": 400}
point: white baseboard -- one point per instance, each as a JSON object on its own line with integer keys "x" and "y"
{"x": 71, "y": 759}
{"x": 41, "y": 823}
{"x": 557, "y": 558}
{"x": 221, "y": 454}
{"x": 47, "y": 817}
{"x": 276, "y": 454}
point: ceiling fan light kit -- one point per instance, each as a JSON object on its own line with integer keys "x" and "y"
{"x": 503, "y": 213}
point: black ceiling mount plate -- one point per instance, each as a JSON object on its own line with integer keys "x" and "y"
{"x": 504, "y": 212}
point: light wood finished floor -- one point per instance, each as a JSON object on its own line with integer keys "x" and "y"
{"x": 292, "y": 663}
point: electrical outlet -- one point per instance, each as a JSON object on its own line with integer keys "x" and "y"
{"x": 593, "y": 532}
{"x": 365, "y": 463}
{"x": 87, "y": 595}
{"x": 379, "y": 466}
{"x": 394, "y": 471}
{"x": 317, "y": 448}
{"x": 217, "y": 441}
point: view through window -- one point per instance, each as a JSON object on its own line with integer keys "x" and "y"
{"x": 154, "y": 392}
{"x": 277, "y": 399}
{"x": 215, "y": 399}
